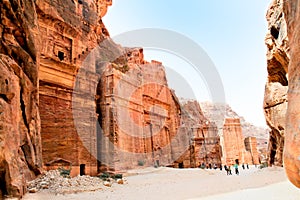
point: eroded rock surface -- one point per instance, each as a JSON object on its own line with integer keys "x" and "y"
{"x": 217, "y": 113}
{"x": 282, "y": 90}
{"x": 204, "y": 147}
{"x": 69, "y": 31}
{"x": 234, "y": 146}
{"x": 138, "y": 114}
{"x": 292, "y": 136}
{"x": 20, "y": 141}
{"x": 275, "y": 101}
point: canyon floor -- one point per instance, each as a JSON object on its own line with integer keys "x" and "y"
{"x": 168, "y": 183}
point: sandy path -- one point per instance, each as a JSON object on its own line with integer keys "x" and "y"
{"x": 166, "y": 183}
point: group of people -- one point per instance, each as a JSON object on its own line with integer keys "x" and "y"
{"x": 227, "y": 168}
{"x": 236, "y": 168}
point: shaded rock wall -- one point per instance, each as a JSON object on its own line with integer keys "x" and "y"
{"x": 204, "y": 139}
{"x": 292, "y": 136}
{"x": 275, "y": 101}
{"x": 20, "y": 141}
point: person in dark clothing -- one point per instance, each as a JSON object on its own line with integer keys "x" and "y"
{"x": 247, "y": 166}
{"x": 221, "y": 167}
{"x": 243, "y": 166}
{"x": 229, "y": 170}
{"x": 215, "y": 166}
{"x": 210, "y": 167}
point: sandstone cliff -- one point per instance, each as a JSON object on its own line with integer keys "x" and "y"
{"x": 275, "y": 101}
{"x": 204, "y": 145}
{"x": 234, "y": 145}
{"x": 138, "y": 114}
{"x": 218, "y": 112}
{"x": 281, "y": 95}
{"x": 69, "y": 31}
{"x": 20, "y": 141}
{"x": 292, "y": 136}
{"x": 102, "y": 106}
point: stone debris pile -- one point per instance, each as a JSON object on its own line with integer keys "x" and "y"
{"x": 53, "y": 182}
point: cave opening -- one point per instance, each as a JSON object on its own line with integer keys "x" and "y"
{"x": 82, "y": 169}
{"x": 274, "y": 32}
{"x": 181, "y": 165}
{"x": 3, "y": 190}
{"x": 273, "y": 151}
{"x": 272, "y": 157}
{"x": 61, "y": 55}
{"x": 99, "y": 127}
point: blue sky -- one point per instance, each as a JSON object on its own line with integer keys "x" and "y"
{"x": 231, "y": 32}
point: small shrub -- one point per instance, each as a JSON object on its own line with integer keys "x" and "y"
{"x": 64, "y": 172}
{"x": 263, "y": 165}
{"x": 118, "y": 176}
{"x": 141, "y": 163}
{"x": 104, "y": 176}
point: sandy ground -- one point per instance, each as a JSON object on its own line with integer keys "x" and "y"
{"x": 167, "y": 183}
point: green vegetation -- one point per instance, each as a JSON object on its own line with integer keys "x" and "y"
{"x": 64, "y": 172}
{"x": 141, "y": 163}
{"x": 263, "y": 165}
{"x": 105, "y": 176}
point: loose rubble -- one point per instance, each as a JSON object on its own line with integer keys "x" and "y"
{"x": 53, "y": 182}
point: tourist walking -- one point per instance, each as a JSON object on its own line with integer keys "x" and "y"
{"x": 247, "y": 166}
{"x": 243, "y": 166}
{"x": 236, "y": 167}
{"x": 229, "y": 170}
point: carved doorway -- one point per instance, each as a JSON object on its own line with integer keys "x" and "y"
{"x": 82, "y": 169}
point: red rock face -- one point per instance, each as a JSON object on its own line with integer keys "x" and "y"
{"x": 251, "y": 146}
{"x": 281, "y": 114}
{"x": 20, "y": 141}
{"x": 138, "y": 114}
{"x": 234, "y": 147}
{"x": 292, "y": 136}
{"x": 215, "y": 113}
{"x": 204, "y": 145}
{"x": 69, "y": 31}
{"x": 275, "y": 101}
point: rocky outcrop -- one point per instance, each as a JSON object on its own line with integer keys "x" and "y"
{"x": 292, "y": 136}
{"x": 20, "y": 141}
{"x": 275, "y": 101}
{"x": 204, "y": 147}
